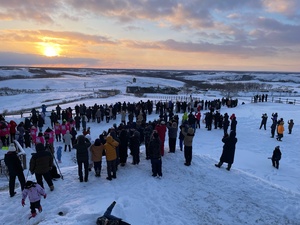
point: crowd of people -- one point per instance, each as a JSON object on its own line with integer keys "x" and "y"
{"x": 70, "y": 127}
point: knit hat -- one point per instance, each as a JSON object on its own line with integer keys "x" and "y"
{"x": 12, "y": 148}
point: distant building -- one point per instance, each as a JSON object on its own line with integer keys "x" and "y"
{"x": 132, "y": 89}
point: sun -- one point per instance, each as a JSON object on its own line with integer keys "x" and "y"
{"x": 51, "y": 50}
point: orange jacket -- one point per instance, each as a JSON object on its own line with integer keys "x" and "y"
{"x": 110, "y": 148}
{"x": 280, "y": 129}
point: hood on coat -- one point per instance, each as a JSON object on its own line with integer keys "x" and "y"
{"x": 109, "y": 139}
{"x": 39, "y": 147}
{"x": 81, "y": 139}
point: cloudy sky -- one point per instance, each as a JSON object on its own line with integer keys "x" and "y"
{"x": 152, "y": 34}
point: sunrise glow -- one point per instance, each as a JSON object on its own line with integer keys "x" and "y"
{"x": 51, "y": 50}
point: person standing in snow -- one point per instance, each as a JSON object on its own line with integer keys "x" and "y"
{"x": 291, "y": 125}
{"x": 15, "y": 169}
{"x": 111, "y": 157}
{"x": 34, "y": 192}
{"x": 155, "y": 155}
{"x": 40, "y": 164}
{"x": 188, "y": 144}
{"x": 67, "y": 140}
{"x": 264, "y": 118}
{"x": 123, "y": 147}
{"x": 57, "y": 131}
{"x": 172, "y": 133}
{"x": 280, "y": 130}
{"x": 82, "y": 156}
{"x": 161, "y": 130}
{"x": 134, "y": 146}
{"x": 233, "y": 122}
{"x": 228, "y": 150}
{"x": 12, "y": 130}
{"x": 147, "y": 137}
{"x": 96, "y": 155}
{"x": 276, "y": 157}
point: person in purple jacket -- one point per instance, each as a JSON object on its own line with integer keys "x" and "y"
{"x": 34, "y": 192}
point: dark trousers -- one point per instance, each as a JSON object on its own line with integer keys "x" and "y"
{"x": 181, "y": 144}
{"x": 12, "y": 137}
{"x": 172, "y": 144}
{"x": 156, "y": 167}
{"x": 97, "y": 167}
{"x": 86, "y": 169}
{"x": 47, "y": 177}
{"x": 68, "y": 146}
{"x": 111, "y": 168}
{"x": 188, "y": 154}
{"x": 12, "y": 181}
{"x": 263, "y": 124}
{"x": 275, "y": 163}
{"x": 58, "y": 137}
{"x": 35, "y": 205}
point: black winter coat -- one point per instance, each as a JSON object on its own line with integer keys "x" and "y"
{"x": 82, "y": 146}
{"x": 276, "y": 154}
{"x": 229, "y": 148}
{"x": 154, "y": 148}
{"x": 41, "y": 162}
{"x": 13, "y": 163}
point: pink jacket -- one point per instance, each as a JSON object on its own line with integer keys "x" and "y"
{"x": 34, "y": 193}
{"x": 57, "y": 129}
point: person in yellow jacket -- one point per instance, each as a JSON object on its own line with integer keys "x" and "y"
{"x": 111, "y": 157}
{"x": 96, "y": 155}
{"x": 280, "y": 130}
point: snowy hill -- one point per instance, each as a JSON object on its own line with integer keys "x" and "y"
{"x": 253, "y": 192}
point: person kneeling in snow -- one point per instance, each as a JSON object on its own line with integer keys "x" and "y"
{"x": 34, "y": 192}
{"x": 108, "y": 219}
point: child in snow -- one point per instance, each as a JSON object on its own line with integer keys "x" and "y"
{"x": 58, "y": 153}
{"x": 34, "y": 192}
{"x": 276, "y": 157}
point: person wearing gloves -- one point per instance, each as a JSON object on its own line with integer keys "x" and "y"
{"x": 34, "y": 192}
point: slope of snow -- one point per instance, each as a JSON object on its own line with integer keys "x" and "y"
{"x": 253, "y": 192}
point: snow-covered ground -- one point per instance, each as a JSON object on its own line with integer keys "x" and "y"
{"x": 253, "y": 192}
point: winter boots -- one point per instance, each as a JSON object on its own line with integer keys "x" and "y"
{"x": 219, "y": 164}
